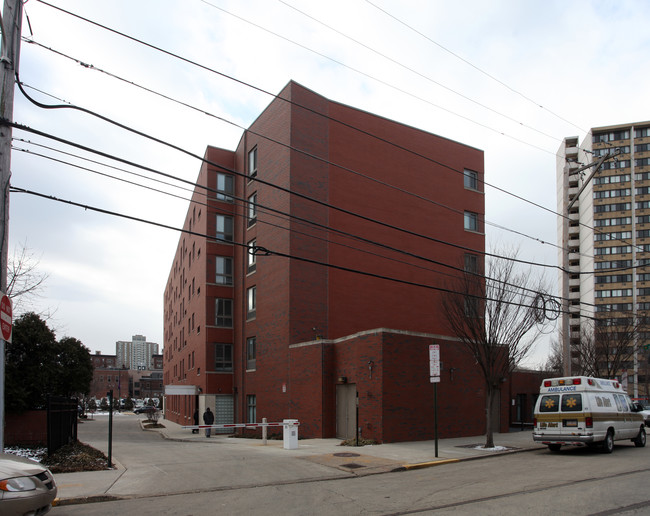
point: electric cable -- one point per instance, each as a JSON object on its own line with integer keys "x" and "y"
{"x": 405, "y": 67}
{"x": 308, "y": 154}
{"x": 202, "y": 66}
{"x": 537, "y": 104}
{"x": 120, "y": 124}
{"x": 275, "y": 96}
{"x": 231, "y": 171}
{"x": 317, "y": 157}
{"x": 270, "y": 211}
{"x": 264, "y": 251}
{"x": 367, "y": 75}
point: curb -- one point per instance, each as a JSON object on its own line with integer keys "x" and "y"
{"x": 79, "y": 500}
{"x": 429, "y": 464}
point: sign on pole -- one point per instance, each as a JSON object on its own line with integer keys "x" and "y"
{"x": 6, "y": 321}
{"x": 434, "y": 362}
{"x": 434, "y": 376}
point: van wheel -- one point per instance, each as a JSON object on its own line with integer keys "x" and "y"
{"x": 608, "y": 443}
{"x": 554, "y": 447}
{"x": 639, "y": 440}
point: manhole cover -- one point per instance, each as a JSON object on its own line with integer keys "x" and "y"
{"x": 352, "y": 465}
{"x": 346, "y": 454}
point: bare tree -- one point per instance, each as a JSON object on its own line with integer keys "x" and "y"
{"x": 498, "y": 317}
{"x": 555, "y": 363}
{"x": 24, "y": 281}
{"x": 607, "y": 346}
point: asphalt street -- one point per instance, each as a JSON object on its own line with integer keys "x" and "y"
{"x": 178, "y": 473}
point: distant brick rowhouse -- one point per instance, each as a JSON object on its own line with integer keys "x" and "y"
{"x": 280, "y": 335}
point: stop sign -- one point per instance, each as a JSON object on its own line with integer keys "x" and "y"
{"x": 5, "y": 318}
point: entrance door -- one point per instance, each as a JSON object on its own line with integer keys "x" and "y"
{"x": 224, "y": 413}
{"x": 346, "y": 411}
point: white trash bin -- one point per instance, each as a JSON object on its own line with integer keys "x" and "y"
{"x": 290, "y": 434}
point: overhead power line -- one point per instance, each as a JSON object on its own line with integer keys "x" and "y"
{"x": 522, "y": 95}
{"x": 541, "y": 298}
{"x": 237, "y": 173}
{"x": 271, "y": 94}
{"x": 275, "y": 96}
{"x": 308, "y": 154}
{"x": 273, "y": 212}
{"x": 103, "y": 154}
{"x": 419, "y": 74}
{"x": 380, "y": 81}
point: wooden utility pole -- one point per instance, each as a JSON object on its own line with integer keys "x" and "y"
{"x": 11, "y": 21}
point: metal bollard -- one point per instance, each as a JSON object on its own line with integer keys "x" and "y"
{"x": 264, "y": 431}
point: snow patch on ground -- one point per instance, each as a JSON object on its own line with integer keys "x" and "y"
{"x": 495, "y": 448}
{"x": 36, "y": 454}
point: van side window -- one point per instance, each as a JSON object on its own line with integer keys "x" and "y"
{"x": 599, "y": 401}
{"x": 628, "y": 401}
{"x": 620, "y": 403}
{"x": 572, "y": 402}
{"x": 625, "y": 403}
{"x": 607, "y": 402}
{"x": 549, "y": 403}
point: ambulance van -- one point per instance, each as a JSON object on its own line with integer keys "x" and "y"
{"x": 580, "y": 410}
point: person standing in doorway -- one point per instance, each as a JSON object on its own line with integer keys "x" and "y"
{"x": 208, "y": 419}
{"x": 196, "y": 421}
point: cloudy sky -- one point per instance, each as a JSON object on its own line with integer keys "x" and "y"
{"x": 512, "y": 78}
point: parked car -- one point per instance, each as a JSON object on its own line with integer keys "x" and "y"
{"x": 144, "y": 408}
{"x": 646, "y": 412}
{"x": 26, "y": 486}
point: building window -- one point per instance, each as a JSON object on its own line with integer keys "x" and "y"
{"x": 470, "y": 179}
{"x": 225, "y": 187}
{"x": 223, "y": 357}
{"x": 472, "y": 307}
{"x": 252, "y": 257}
{"x": 224, "y": 228}
{"x": 251, "y": 351}
{"x": 223, "y": 273}
{"x": 223, "y": 313}
{"x": 610, "y": 137}
{"x": 252, "y": 163}
{"x": 471, "y": 221}
{"x": 252, "y": 209}
{"x": 471, "y": 263}
{"x": 251, "y": 296}
{"x": 251, "y": 406}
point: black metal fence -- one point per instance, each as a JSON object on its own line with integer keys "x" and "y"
{"x": 61, "y": 422}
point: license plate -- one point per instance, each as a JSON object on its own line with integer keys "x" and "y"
{"x": 570, "y": 422}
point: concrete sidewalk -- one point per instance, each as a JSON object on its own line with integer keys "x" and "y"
{"x": 183, "y": 462}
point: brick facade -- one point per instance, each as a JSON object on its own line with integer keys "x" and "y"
{"x": 314, "y": 325}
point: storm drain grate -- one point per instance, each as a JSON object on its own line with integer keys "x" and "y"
{"x": 352, "y": 465}
{"x": 346, "y": 454}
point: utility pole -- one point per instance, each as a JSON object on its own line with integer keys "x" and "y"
{"x": 567, "y": 332}
{"x": 11, "y": 21}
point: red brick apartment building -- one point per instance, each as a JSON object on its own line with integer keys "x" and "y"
{"x": 107, "y": 375}
{"x": 277, "y": 333}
